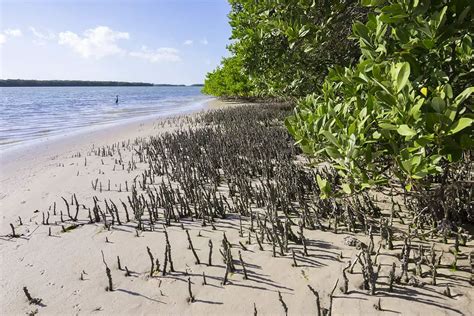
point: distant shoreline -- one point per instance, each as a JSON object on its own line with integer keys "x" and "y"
{"x": 20, "y": 154}
{"x": 82, "y": 83}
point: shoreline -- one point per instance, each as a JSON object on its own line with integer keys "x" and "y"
{"x": 58, "y": 135}
{"x": 36, "y": 153}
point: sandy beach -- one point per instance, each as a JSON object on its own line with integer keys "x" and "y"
{"x": 61, "y": 263}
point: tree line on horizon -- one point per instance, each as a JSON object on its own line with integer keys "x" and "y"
{"x": 382, "y": 90}
{"x": 65, "y": 83}
{"x": 81, "y": 83}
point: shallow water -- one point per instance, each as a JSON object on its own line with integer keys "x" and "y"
{"x": 30, "y": 113}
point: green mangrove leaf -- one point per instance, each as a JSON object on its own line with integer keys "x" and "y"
{"x": 405, "y": 130}
{"x": 460, "y": 124}
{"x": 402, "y": 75}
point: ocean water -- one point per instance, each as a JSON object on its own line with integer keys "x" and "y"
{"x": 31, "y": 113}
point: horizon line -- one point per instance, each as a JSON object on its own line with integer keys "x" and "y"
{"x": 98, "y": 81}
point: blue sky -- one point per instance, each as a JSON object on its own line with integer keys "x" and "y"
{"x": 160, "y": 41}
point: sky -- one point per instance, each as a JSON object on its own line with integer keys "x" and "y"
{"x": 157, "y": 41}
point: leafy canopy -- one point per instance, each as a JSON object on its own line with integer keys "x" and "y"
{"x": 405, "y": 109}
{"x": 228, "y": 80}
{"x": 285, "y": 47}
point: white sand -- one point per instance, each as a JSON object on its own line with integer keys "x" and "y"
{"x": 50, "y": 266}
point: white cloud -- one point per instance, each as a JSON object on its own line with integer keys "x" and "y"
{"x": 204, "y": 41}
{"x": 42, "y": 35}
{"x": 9, "y": 33}
{"x": 97, "y": 43}
{"x": 13, "y": 32}
{"x": 163, "y": 54}
{"x": 188, "y": 42}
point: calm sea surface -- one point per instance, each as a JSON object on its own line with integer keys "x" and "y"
{"x": 27, "y": 114}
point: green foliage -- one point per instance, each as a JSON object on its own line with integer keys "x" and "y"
{"x": 285, "y": 47}
{"x": 228, "y": 80}
{"x": 405, "y": 109}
